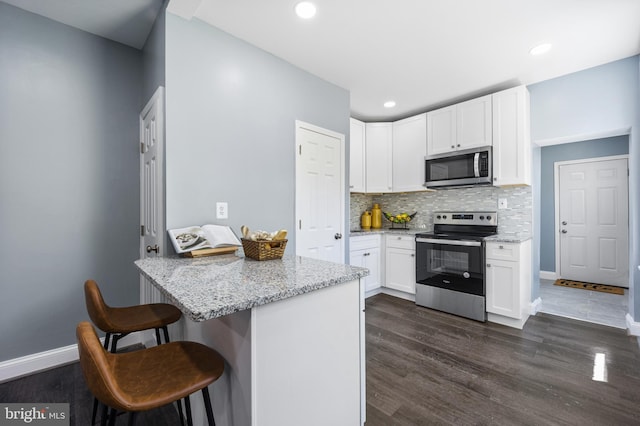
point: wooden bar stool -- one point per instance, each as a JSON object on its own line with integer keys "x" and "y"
{"x": 149, "y": 378}
{"x": 118, "y": 322}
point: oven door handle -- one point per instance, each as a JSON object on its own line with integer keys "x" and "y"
{"x": 449, "y": 242}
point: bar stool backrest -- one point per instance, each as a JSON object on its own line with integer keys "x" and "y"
{"x": 97, "y": 308}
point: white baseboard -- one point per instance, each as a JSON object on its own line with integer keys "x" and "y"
{"x": 548, "y": 275}
{"x": 399, "y": 294}
{"x": 29, "y": 364}
{"x": 633, "y": 328}
{"x": 535, "y": 306}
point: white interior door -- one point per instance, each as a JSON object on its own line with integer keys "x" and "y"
{"x": 593, "y": 226}
{"x": 319, "y": 193}
{"x": 152, "y": 226}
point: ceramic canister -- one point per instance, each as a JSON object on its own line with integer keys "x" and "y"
{"x": 376, "y": 217}
{"x": 365, "y": 220}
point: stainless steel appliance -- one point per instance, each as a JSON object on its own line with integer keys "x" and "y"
{"x": 462, "y": 168}
{"x": 450, "y": 273}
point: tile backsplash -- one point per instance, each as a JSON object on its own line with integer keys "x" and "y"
{"x": 516, "y": 218}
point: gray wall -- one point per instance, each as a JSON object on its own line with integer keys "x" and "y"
{"x": 588, "y": 104}
{"x": 572, "y": 151}
{"x": 231, "y": 111}
{"x": 69, "y": 104}
{"x": 153, "y": 58}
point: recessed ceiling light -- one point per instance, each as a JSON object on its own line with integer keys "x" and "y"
{"x": 390, "y": 104}
{"x": 306, "y": 10}
{"x": 540, "y": 49}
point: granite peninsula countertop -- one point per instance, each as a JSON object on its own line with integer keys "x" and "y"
{"x": 211, "y": 287}
{"x": 503, "y": 237}
{"x": 361, "y": 232}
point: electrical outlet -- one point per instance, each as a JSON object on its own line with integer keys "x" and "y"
{"x": 502, "y": 203}
{"x": 222, "y": 210}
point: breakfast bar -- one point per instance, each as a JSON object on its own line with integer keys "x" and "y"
{"x": 291, "y": 331}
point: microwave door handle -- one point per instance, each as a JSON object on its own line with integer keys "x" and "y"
{"x": 476, "y": 164}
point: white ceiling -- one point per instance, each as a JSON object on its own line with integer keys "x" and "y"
{"x": 421, "y": 53}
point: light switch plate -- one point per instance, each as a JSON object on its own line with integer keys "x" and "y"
{"x": 222, "y": 210}
{"x": 502, "y": 203}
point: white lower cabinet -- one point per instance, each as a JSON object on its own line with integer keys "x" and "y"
{"x": 508, "y": 269}
{"x": 400, "y": 262}
{"x": 364, "y": 251}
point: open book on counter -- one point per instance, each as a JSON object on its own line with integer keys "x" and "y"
{"x": 205, "y": 239}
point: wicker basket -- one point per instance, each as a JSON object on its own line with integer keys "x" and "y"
{"x": 264, "y": 250}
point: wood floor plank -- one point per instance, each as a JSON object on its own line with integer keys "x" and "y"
{"x": 444, "y": 369}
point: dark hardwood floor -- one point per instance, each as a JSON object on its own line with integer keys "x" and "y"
{"x": 430, "y": 368}
{"x": 426, "y": 367}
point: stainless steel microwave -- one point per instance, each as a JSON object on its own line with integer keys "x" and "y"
{"x": 460, "y": 168}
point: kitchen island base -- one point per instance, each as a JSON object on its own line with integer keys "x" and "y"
{"x": 291, "y": 362}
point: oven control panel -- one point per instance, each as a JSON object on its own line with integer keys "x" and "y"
{"x": 465, "y": 218}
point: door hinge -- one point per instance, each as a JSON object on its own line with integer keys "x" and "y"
{"x": 141, "y": 147}
{"x": 142, "y": 230}
{"x": 300, "y": 224}
{"x": 300, "y": 149}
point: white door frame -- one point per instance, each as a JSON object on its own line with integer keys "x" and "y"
{"x": 303, "y": 125}
{"x": 556, "y": 195}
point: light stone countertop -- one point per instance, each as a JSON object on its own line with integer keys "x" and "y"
{"x": 360, "y": 232}
{"x": 507, "y": 237}
{"x": 211, "y": 287}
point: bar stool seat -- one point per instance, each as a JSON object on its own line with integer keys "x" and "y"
{"x": 120, "y": 321}
{"x": 149, "y": 378}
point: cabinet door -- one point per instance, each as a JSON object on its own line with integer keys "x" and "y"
{"x": 503, "y": 288}
{"x": 356, "y": 156}
{"x": 441, "y": 130}
{"x": 409, "y": 150}
{"x": 378, "y": 154}
{"x": 473, "y": 123}
{"x": 372, "y": 263}
{"x": 400, "y": 270}
{"x": 511, "y": 137}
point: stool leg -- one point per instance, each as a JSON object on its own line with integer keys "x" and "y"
{"x": 179, "y": 402}
{"x": 112, "y": 417}
{"x": 158, "y": 342}
{"x": 207, "y": 406}
{"x": 166, "y": 334}
{"x": 103, "y": 419}
{"x": 95, "y": 410}
{"x": 187, "y": 404}
{"x": 132, "y": 418}
{"x": 107, "y": 338}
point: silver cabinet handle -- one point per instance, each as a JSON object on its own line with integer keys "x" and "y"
{"x": 337, "y": 236}
{"x": 154, "y": 248}
{"x": 488, "y": 265}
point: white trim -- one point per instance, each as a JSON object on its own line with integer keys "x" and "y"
{"x": 556, "y": 196}
{"x": 535, "y": 306}
{"x": 399, "y": 294}
{"x": 583, "y": 137}
{"x": 548, "y": 275}
{"x": 29, "y": 364}
{"x": 633, "y": 328}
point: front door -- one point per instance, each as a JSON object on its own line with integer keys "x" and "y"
{"x": 320, "y": 193}
{"x": 593, "y": 221}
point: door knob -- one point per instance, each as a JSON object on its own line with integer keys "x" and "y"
{"x": 564, "y": 231}
{"x": 564, "y": 222}
{"x": 154, "y": 248}
{"x": 337, "y": 236}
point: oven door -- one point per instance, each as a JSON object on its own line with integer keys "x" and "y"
{"x": 451, "y": 264}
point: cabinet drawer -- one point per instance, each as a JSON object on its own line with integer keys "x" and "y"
{"x": 401, "y": 241}
{"x": 503, "y": 251}
{"x": 364, "y": 242}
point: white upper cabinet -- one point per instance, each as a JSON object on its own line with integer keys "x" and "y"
{"x": 379, "y": 157}
{"x": 474, "y": 123}
{"x": 461, "y": 126}
{"x": 511, "y": 137}
{"x": 409, "y": 150}
{"x": 357, "y": 156}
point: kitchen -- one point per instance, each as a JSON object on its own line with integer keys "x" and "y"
{"x": 270, "y": 100}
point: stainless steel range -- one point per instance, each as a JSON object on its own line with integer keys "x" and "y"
{"x": 450, "y": 273}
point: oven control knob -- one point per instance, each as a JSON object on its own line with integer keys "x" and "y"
{"x": 488, "y": 217}
{"x": 466, "y": 275}
{"x": 439, "y": 217}
{"x": 481, "y": 217}
{"x": 444, "y": 216}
